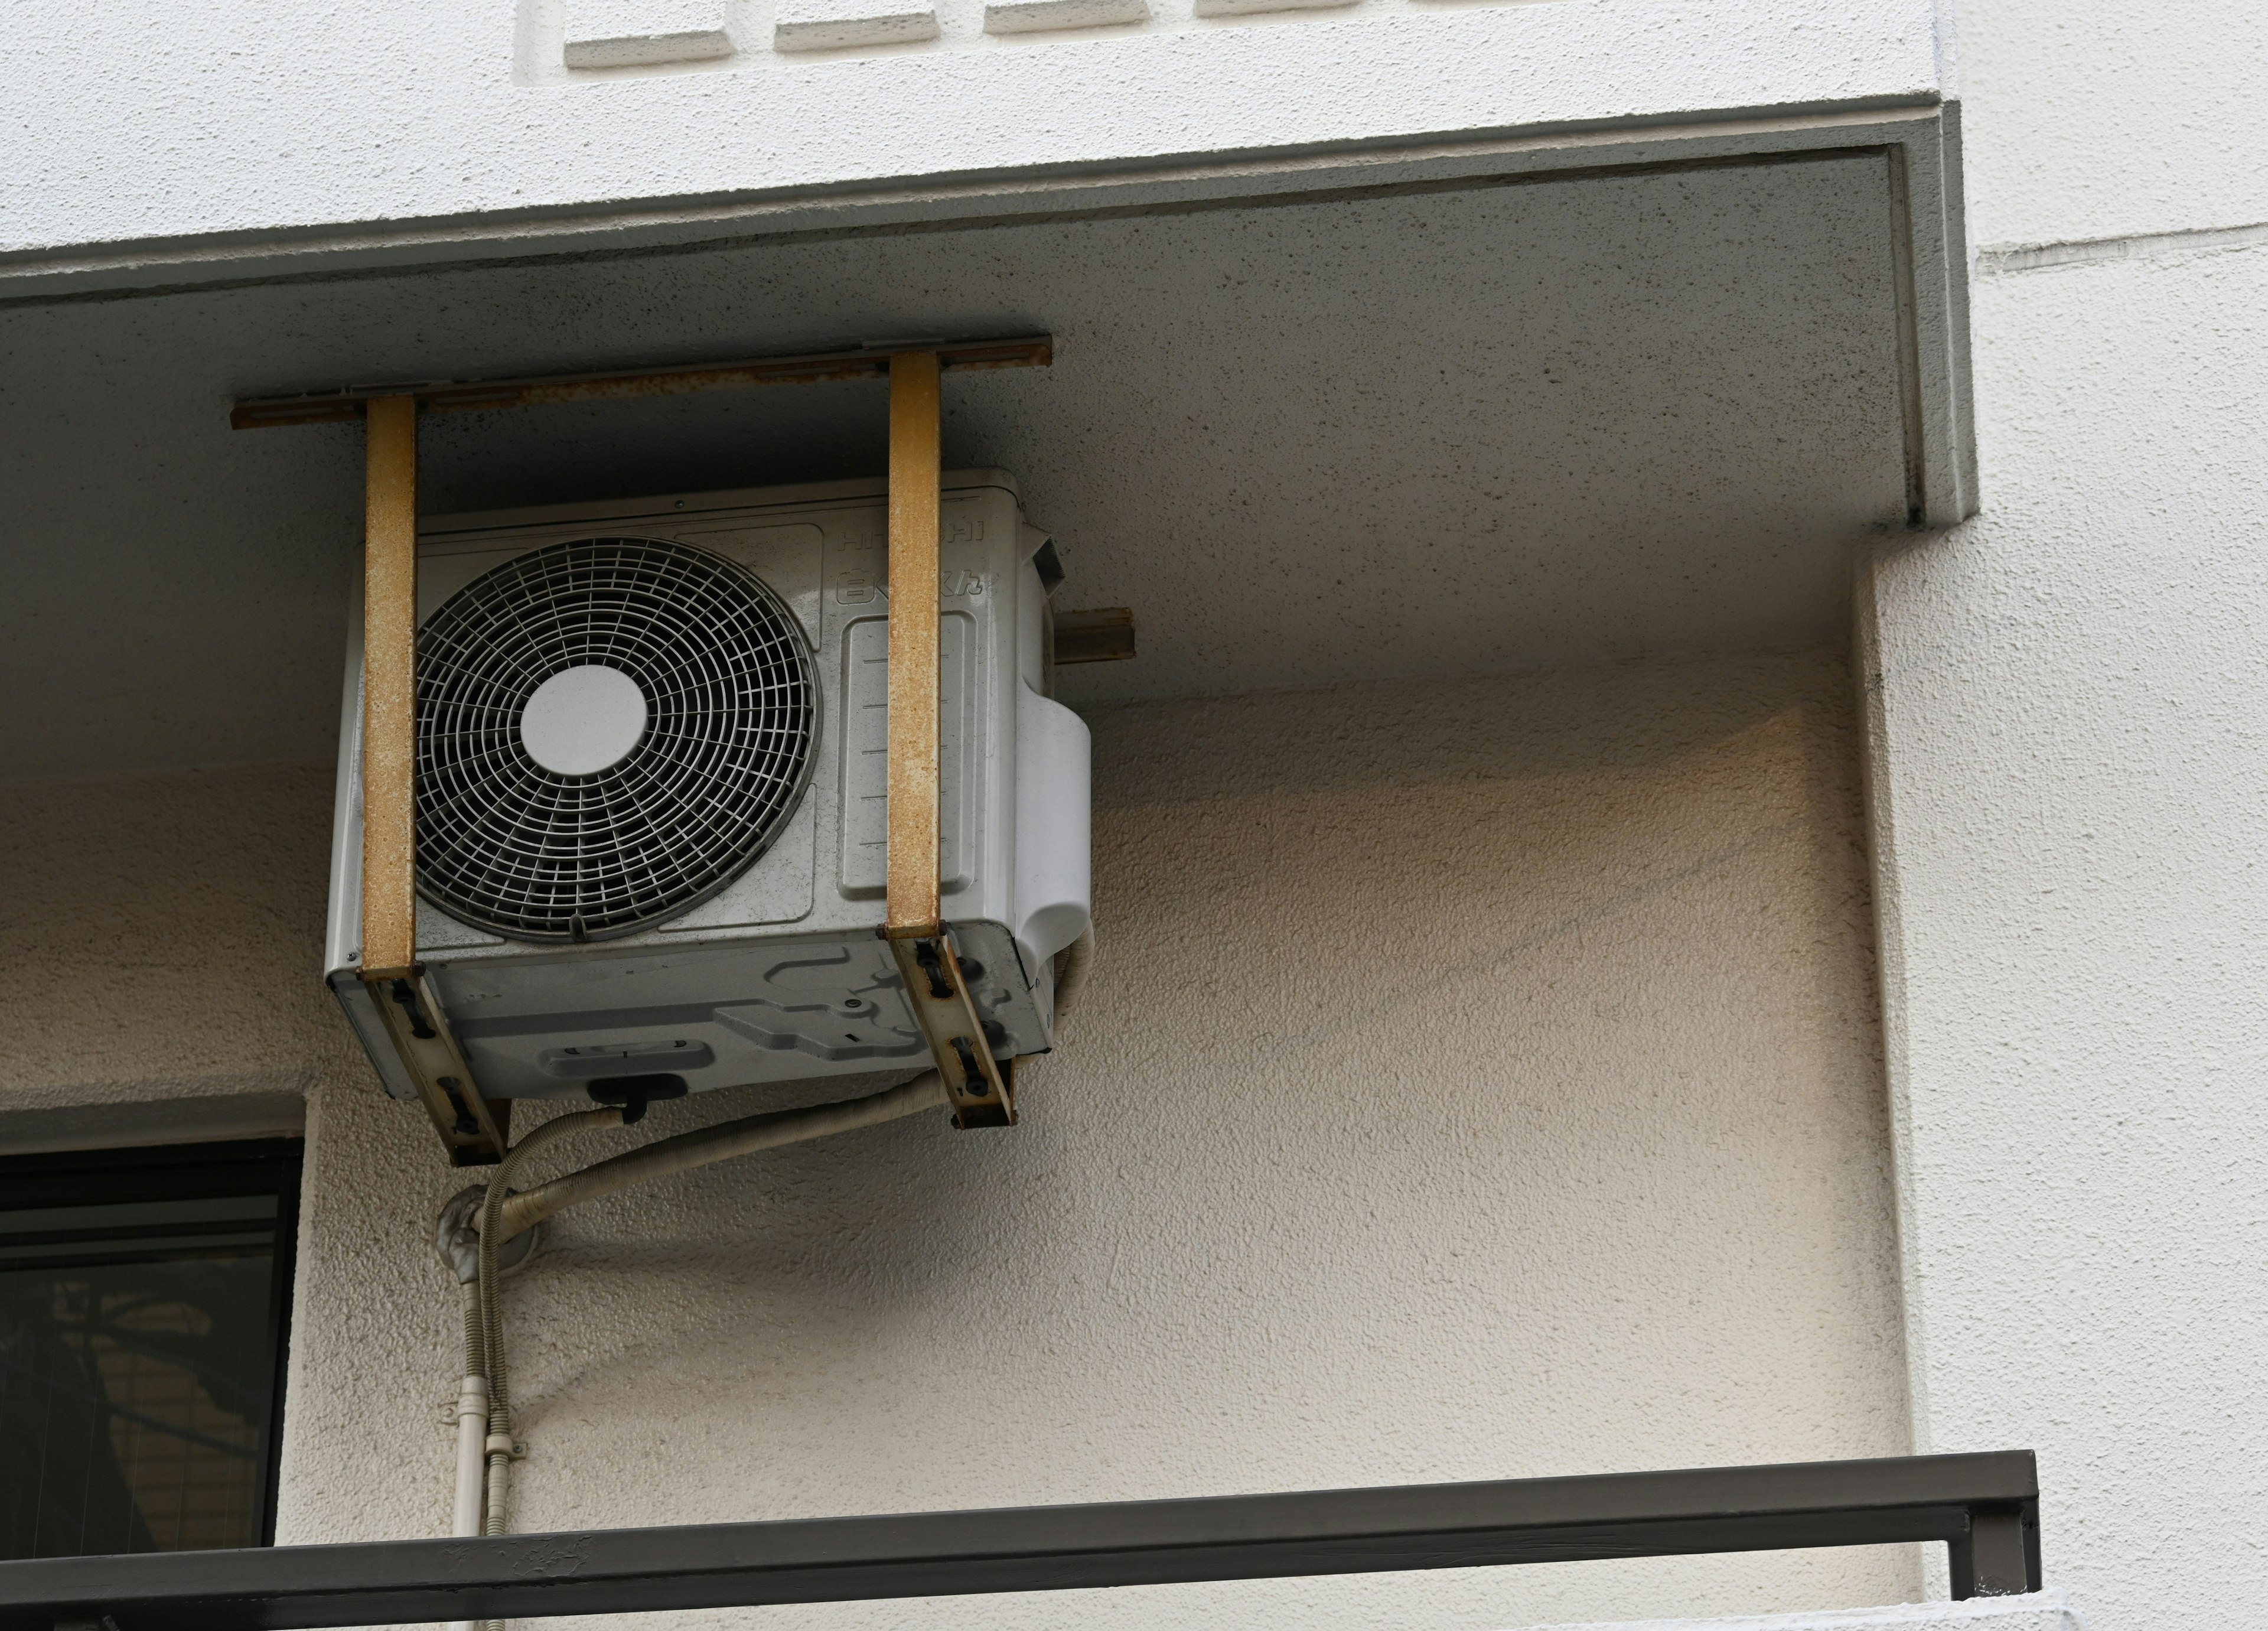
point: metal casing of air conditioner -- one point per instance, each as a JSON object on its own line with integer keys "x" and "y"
{"x": 777, "y": 972}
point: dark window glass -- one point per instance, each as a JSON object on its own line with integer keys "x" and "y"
{"x": 142, "y": 1322}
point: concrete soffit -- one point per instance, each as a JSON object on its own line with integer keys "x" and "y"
{"x": 1917, "y": 141}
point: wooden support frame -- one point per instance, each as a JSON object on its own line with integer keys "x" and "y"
{"x": 917, "y": 475}
{"x": 409, "y": 1008}
{"x": 913, "y": 918}
{"x": 389, "y": 689}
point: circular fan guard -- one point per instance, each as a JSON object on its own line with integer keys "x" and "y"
{"x": 506, "y": 844}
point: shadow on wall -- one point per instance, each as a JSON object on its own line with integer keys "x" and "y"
{"x": 163, "y": 937}
{"x": 1479, "y": 1080}
{"x": 1502, "y": 818}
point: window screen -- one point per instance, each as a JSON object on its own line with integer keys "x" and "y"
{"x": 142, "y": 1305}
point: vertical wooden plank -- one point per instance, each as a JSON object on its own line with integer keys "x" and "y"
{"x": 389, "y": 696}
{"x": 916, "y": 475}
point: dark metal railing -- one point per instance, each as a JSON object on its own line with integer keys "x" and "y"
{"x": 1983, "y": 1508}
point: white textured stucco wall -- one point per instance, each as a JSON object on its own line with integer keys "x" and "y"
{"x": 2050, "y": 1610}
{"x": 154, "y": 941}
{"x": 1479, "y": 1080}
{"x": 2075, "y": 806}
{"x": 178, "y": 122}
{"x": 2089, "y": 119}
{"x": 2072, "y": 805}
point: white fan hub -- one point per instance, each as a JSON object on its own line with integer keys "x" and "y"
{"x": 584, "y": 719}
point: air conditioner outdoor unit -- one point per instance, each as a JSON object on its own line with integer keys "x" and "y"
{"x": 651, "y": 773}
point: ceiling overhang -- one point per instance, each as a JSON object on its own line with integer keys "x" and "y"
{"x": 1375, "y": 411}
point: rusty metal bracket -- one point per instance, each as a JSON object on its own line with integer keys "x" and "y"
{"x": 869, "y": 362}
{"x": 982, "y": 1088}
{"x": 472, "y": 1130}
{"x": 1105, "y": 634}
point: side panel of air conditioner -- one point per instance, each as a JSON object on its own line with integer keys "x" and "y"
{"x": 778, "y": 975}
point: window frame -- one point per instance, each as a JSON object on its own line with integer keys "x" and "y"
{"x": 194, "y": 1172}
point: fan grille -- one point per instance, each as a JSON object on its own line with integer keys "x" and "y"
{"x": 507, "y": 844}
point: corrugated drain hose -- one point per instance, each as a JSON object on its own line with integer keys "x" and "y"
{"x": 704, "y": 1146}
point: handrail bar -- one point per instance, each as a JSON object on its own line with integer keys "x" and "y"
{"x": 1984, "y": 1507}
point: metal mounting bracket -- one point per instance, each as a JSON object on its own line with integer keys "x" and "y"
{"x": 982, "y": 1087}
{"x": 473, "y": 1131}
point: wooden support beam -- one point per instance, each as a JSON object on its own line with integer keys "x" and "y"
{"x": 478, "y": 396}
{"x": 913, "y": 918}
{"x": 916, "y": 475}
{"x": 389, "y": 692}
{"x": 407, "y": 1006}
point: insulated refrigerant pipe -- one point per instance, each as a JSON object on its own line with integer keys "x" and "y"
{"x": 472, "y": 1420}
{"x": 472, "y": 1432}
{"x": 722, "y": 1142}
{"x": 483, "y": 1408}
{"x": 1071, "y": 973}
{"x": 772, "y": 1130}
{"x": 499, "y": 1435}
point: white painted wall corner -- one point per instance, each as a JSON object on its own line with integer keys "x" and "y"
{"x": 2041, "y": 1611}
